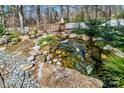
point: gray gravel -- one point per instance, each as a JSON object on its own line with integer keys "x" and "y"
{"x": 13, "y": 76}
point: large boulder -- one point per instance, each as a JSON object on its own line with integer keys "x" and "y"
{"x": 114, "y": 22}
{"x": 4, "y": 39}
{"x": 79, "y": 25}
{"x": 24, "y": 38}
{"x": 53, "y": 76}
{"x": 114, "y": 51}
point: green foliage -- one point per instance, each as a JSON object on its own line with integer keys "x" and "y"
{"x": 47, "y": 40}
{"x": 101, "y": 44}
{"x": 33, "y": 32}
{"x": 14, "y": 36}
{"x": 113, "y": 72}
{"x": 112, "y": 35}
{"x": 120, "y": 15}
{"x": 2, "y": 30}
{"x": 93, "y": 25}
{"x": 66, "y": 20}
{"x": 94, "y": 28}
{"x": 79, "y": 31}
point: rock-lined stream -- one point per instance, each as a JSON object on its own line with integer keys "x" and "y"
{"x": 19, "y": 68}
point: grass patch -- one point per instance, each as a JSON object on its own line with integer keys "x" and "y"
{"x": 113, "y": 72}
{"x": 48, "y": 40}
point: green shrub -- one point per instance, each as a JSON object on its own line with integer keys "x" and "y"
{"x": 93, "y": 25}
{"x": 47, "y": 40}
{"x": 113, "y": 72}
{"x": 33, "y": 32}
{"x": 120, "y": 15}
{"x": 14, "y": 36}
{"x": 2, "y": 30}
{"x": 66, "y": 20}
{"x": 100, "y": 44}
{"x": 79, "y": 31}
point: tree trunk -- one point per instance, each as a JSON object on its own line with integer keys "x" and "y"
{"x": 96, "y": 11}
{"x": 21, "y": 18}
{"x": 109, "y": 12}
{"x": 38, "y": 15}
{"x": 2, "y": 21}
{"x": 68, "y": 11}
{"x": 62, "y": 13}
{"x": 87, "y": 14}
{"x": 82, "y": 12}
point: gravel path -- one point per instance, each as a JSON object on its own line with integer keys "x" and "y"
{"x": 11, "y": 75}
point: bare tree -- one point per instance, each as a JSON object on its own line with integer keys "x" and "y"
{"x": 62, "y": 13}
{"x": 96, "y": 10}
{"x": 68, "y": 11}
{"x": 21, "y": 18}
{"x": 2, "y": 20}
{"x": 38, "y": 14}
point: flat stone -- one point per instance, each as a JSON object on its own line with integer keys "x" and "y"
{"x": 65, "y": 41}
{"x": 85, "y": 37}
{"x": 32, "y": 36}
{"x": 52, "y": 76}
{"x": 118, "y": 52}
{"x": 58, "y": 63}
{"x": 100, "y": 39}
{"x": 64, "y": 35}
{"x": 114, "y": 51}
{"x": 24, "y": 38}
{"x": 77, "y": 25}
{"x": 107, "y": 47}
{"x": 45, "y": 52}
{"x": 40, "y": 58}
{"x": 72, "y": 36}
{"x": 2, "y": 48}
{"x": 25, "y": 67}
{"x": 55, "y": 60}
{"x": 36, "y": 48}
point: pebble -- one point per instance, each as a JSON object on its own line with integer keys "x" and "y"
{"x": 1, "y": 66}
{"x": 72, "y": 36}
{"x": 2, "y": 48}
{"x": 58, "y": 63}
{"x": 55, "y": 60}
{"x": 26, "y": 67}
{"x": 49, "y": 62}
{"x": 36, "y": 48}
{"x": 45, "y": 52}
